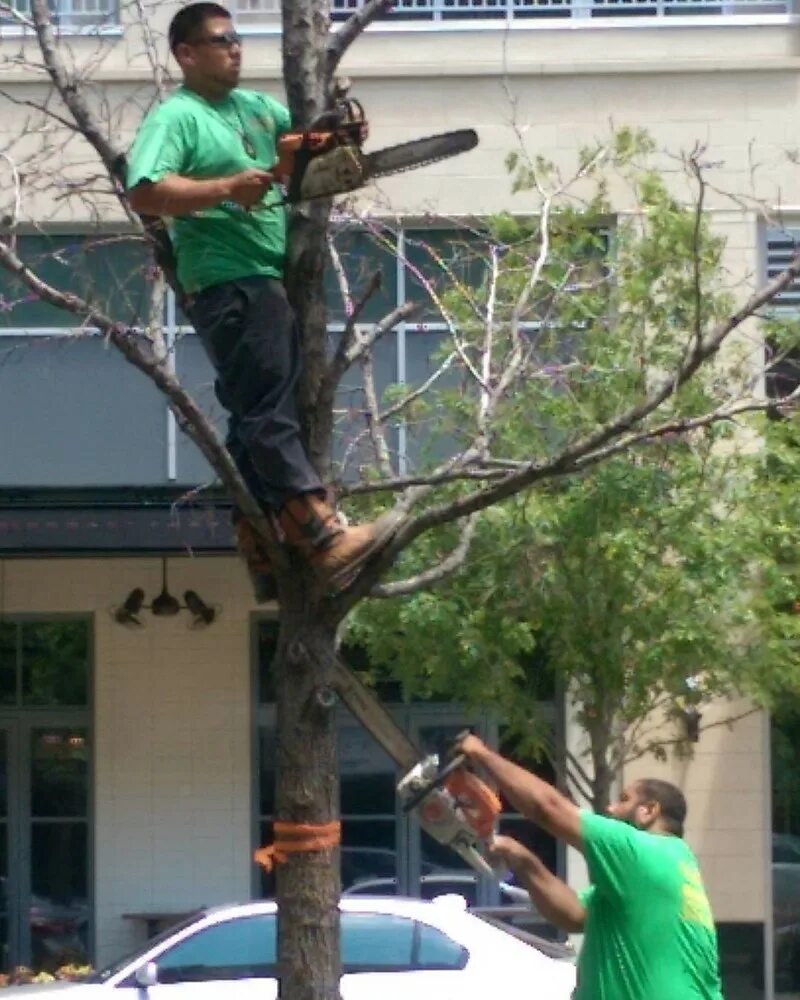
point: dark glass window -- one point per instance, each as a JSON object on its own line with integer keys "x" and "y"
{"x": 44, "y": 664}
{"x": 438, "y": 951}
{"x": 55, "y": 661}
{"x": 236, "y": 949}
{"x": 111, "y": 272}
{"x": 371, "y": 943}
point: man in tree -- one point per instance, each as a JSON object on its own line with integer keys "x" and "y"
{"x": 649, "y": 932}
{"x": 203, "y": 158}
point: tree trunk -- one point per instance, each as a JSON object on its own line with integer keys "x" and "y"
{"x": 308, "y": 884}
{"x": 305, "y": 62}
{"x": 603, "y": 774}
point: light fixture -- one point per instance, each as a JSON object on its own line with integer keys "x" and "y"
{"x": 164, "y": 605}
{"x": 195, "y": 605}
{"x": 128, "y": 612}
{"x": 691, "y": 722}
{"x": 688, "y": 708}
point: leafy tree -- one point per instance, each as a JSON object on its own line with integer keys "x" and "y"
{"x": 649, "y": 584}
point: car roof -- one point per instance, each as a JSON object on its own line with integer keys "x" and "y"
{"x": 398, "y": 905}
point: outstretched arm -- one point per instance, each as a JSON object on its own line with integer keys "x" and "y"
{"x": 537, "y": 800}
{"x": 553, "y": 898}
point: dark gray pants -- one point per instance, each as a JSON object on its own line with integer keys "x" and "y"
{"x": 250, "y": 334}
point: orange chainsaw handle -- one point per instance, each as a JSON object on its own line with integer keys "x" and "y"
{"x": 481, "y": 805}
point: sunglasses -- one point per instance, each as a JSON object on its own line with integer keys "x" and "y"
{"x": 224, "y": 39}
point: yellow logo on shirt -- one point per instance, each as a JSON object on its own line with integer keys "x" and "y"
{"x": 695, "y": 906}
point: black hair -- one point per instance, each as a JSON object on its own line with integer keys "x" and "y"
{"x": 671, "y": 800}
{"x": 189, "y": 20}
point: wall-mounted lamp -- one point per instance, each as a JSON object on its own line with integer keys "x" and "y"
{"x": 688, "y": 710}
{"x": 165, "y": 605}
{"x": 691, "y": 722}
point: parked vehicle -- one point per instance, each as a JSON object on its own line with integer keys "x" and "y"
{"x": 439, "y": 884}
{"x": 391, "y": 948}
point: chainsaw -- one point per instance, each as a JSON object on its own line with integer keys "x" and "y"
{"x": 452, "y": 804}
{"x": 327, "y": 159}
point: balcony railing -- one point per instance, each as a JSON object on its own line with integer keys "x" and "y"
{"x": 268, "y": 11}
{"x": 69, "y": 14}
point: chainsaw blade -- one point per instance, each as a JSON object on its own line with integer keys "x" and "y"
{"x": 419, "y": 152}
{"x": 346, "y": 168}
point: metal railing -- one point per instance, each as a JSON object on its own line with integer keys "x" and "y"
{"x": 68, "y": 13}
{"x": 449, "y": 11}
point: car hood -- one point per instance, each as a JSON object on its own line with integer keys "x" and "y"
{"x": 77, "y": 991}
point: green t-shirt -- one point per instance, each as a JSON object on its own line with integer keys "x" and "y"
{"x": 649, "y": 932}
{"x": 190, "y": 136}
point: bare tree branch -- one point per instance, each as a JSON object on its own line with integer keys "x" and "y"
{"x": 653, "y": 744}
{"x": 366, "y": 341}
{"x": 588, "y": 449}
{"x": 435, "y": 574}
{"x": 374, "y": 425}
{"x": 398, "y": 483}
{"x": 340, "y": 41}
{"x": 71, "y": 94}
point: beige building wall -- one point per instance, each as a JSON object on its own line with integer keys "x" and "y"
{"x": 725, "y": 778}
{"x": 172, "y": 734}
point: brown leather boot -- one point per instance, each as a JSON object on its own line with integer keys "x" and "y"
{"x": 335, "y": 550}
{"x": 256, "y": 556}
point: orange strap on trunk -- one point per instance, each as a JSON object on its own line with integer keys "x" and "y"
{"x": 297, "y": 838}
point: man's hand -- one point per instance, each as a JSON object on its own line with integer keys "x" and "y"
{"x": 512, "y": 854}
{"x": 249, "y": 187}
{"x": 470, "y": 745}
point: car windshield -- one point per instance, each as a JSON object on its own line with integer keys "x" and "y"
{"x": 111, "y": 970}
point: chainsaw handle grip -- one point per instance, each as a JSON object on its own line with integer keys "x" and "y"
{"x": 414, "y": 800}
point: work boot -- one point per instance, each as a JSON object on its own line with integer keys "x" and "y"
{"x": 337, "y": 551}
{"x": 255, "y": 554}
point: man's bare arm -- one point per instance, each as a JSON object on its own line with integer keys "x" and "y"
{"x": 553, "y": 898}
{"x": 175, "y": 195}
{"x": 537, "y": 800}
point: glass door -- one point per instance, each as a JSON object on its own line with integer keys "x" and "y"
{"x": 45, "y": 781}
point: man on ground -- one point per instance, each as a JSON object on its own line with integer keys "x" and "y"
{"x": 649, "y": 931}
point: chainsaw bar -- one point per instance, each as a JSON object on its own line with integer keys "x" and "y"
{"x": 345, "y": 168}
{"x": 418, "y": 153}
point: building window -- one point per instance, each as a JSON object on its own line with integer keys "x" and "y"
{"x": 448, "y": 13}
{"x": 45, "y": 792}
{"x": 109, "y": 270}
{"x": 383, "y": 850}
{"x": 783, "y": 372}
{"x": 69, "y": 14}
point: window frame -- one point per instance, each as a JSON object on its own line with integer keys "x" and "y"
{"x": 20, "y": 721}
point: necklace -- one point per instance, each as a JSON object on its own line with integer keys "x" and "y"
{"x": 246, "y": 141}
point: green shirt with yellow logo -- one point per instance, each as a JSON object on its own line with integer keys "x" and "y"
{"x": 193, "y": 137}
{"x": 649, "y": 932}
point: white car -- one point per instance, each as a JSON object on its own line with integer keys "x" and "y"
{"x": 439, "y": 884}
{"x": 391, "y": 948}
